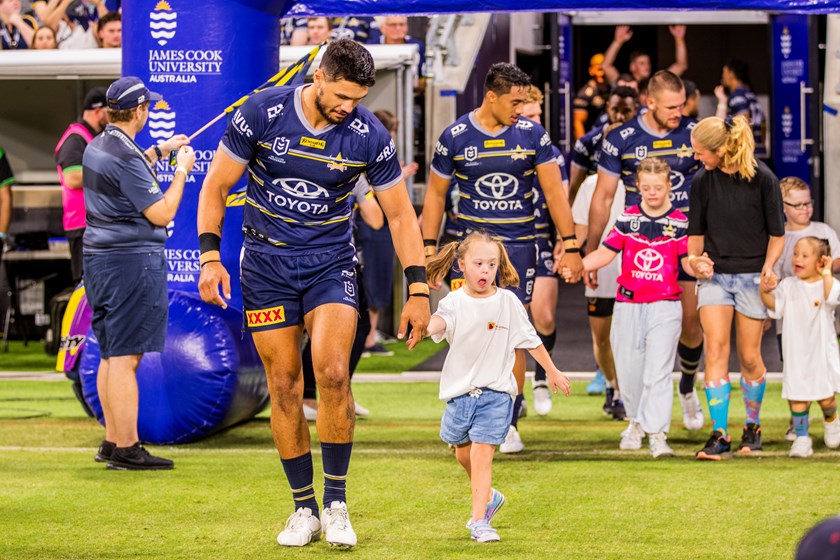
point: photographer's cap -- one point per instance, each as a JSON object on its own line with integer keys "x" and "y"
{"x": 128, "y": 93}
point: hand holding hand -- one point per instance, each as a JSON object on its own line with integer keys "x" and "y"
{"x": 186, "y": 158}
{"x": 769, "y": 278}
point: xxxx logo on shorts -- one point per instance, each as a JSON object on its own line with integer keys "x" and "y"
{"x": 265, "y": 317}
{"x": 456, "y": 283}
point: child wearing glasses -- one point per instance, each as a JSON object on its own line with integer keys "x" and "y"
{"x": 798, "y": 208}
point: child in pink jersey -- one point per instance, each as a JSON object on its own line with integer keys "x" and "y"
{"x": 652, "y": 238}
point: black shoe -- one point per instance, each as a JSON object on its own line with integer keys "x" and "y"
{"x": 751, "y": 440}
{"x": 608, "y": 401}
{"x": 618, "y": 412}
{"x": 106, "y": 449}
{"x": 136, "y": 458}
{"x": 718, "y": 447}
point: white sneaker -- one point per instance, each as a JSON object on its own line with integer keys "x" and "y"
{"x": 631, "y": 438}
{"x": 790, "y": 435}
{"x": 542, "y": 398}
{"x": 659, "y": 445}
{"x": 337, "y": 528}
{"x": 361, "y": 411}
{"x": 301, "y": 529}
{"x": 802, "y": 447}
{"x": 832, "y": 433}
{"x": 310, "y": 413}
{"x": 513, "y": 443}
{"x": 692, "y": 413}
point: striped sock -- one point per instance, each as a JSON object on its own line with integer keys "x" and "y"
{"x": 336, "y": 458}
{"x": 717, "y": 394}
{"x": 800, "y": 422}
{"x": 830, "y": 414}
{"x": 299, "y": 473}
{"x": 753, "y": 393}
{"x": 689, "y": 362}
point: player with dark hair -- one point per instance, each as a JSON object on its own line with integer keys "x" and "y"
{"x": 494, "y": 155}
{"x": 735, "y": 97}
{"x": 304, "y": 149}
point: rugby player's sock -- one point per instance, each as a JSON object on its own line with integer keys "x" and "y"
{"x": 753, "y": 393}
{"x": 800, "y": 423}
{"x": 717, "y": 395}
{"x": 830, "y": 414}
{"x": 517, "y": 408}
{"x": 336, "y": 458}
{"x": 689, "y": 362}
{"x": 299, "y": 472}
{"x": 548, "y": 341}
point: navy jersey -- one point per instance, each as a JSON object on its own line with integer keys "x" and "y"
{"x": 494, "y": 173}
{"x": 744, "y": 102}
{"x": 587, "y": 150}
{"x": 542, "y": 221}
{"x": 299, "y": 178}
{"x": 627, "y": 145}
{"x": 356, "y": 28}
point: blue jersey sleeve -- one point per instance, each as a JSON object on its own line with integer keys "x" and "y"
{"x": 383, "y": 167}
{"x": 561, "y": 161}
{"x": 442, "y": 162}
{"x": 738, "y": 103}
{"x": 611, "y": 149}
{"x": 582, "y": 153}
{"x": 544, "y": 147}
{"x": 138, "y": 184}
{"x": 243, "y": 131}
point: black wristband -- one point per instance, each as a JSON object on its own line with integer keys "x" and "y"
{"x": 205, "y": 262}
{"x": 430, "y": 243}
{"x": 568, "y": 237}
{"x": 419, "y": 295}
{"x": 209, "y": 242}
{"x": 573, "y": 250}
{"x": 415, "y": 274}
{"x": 158, "y": 153}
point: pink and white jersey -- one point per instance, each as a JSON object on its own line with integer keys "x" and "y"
{"x": 651, "y": 249}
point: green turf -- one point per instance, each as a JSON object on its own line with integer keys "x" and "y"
{"x": 571, "y": 494}
{"x": 26, "y": 358}
{"x": 402, "y": 360}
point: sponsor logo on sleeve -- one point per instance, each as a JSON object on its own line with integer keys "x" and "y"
{"x": 359, "y": 127}
{"x": 545, "y": 140}
{"x": 524, "y": 125}
{"x": 607, "y": 146}
{"x": 273, "y": 112}
{"x": 441, "y": 149}
{"x": 627, "y": 132}
{"x": 388, "y": 152}
{"x": 458, "y": 129}
{"x": 240, "y": 124}
{"x": 266, "y": 317}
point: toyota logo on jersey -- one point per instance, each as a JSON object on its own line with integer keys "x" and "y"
{"x": 648, "y": 262}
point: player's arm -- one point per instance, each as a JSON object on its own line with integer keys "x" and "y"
{"x": 224, "y": 172}
{"x": 577, "y": 177}
{"x": 599, "y": 208}
{"x": 548, "y": 174}
{"x": 371, "y": 212}
{"x": 437, "y": 325}
{"x": 5, "y": 212}
{"x": 680, "y": 64}
{"x": 579, "y": 124}
{"x": 555, "y": 376}
{"x": 434, "y": 208}
{"x": 408, "y": 244}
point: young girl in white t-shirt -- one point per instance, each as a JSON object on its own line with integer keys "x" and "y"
{"x": 811, "y": 370}
{"x": 483, "y": 326}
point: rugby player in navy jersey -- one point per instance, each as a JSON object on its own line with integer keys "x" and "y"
{"x": 494, "y": 155}
{"x": 304, "y": 149}
{"x": 663, "y": 132}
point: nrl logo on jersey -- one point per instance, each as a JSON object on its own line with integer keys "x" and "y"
{"x": 471, "y": 153}
{"x": 273, "y": 112}
{"x": 519, "y": 153}
{"x": 458, "y": 129}
{"x": 641, "y": 152}
{"x": 359, "y": 127}
{"x": 337, "y": 164}
{"x": 626, "y": 132}
{"x": 524, "y": 125}
{"x": 280, "y": 146}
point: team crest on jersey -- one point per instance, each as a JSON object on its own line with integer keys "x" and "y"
{"x": 471, "y": 153}
{"x": 518, "y": 153}
{"x": 337, "y": 164}
{"x": 641, "y": 152}
{"x": 280, "y": 146}
{"x": 669, "y": 231}
{"x": 685, "y": 152}
{"x": 634, "y": 224}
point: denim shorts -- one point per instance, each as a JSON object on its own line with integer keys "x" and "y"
{"x": 735, "y": 290}
{"x": 128, "y": 295}
{"x": 483, "y": 418}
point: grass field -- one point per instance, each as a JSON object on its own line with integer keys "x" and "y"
{"x": 571, "y": 494}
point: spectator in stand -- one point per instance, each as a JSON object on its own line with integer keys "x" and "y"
{"x": 640, "y": 66}
{"x": 590, "y": 100}
{"x": 692, "y": 100}
{"x": 7, "y": 179}
{"x": 318, "y": 30}
{"x": 109, "y": 31}
{"x": 68, "y": 158}
{"x": 73, "y": 22}
{"x": 293, "y": 31}
{"x": 16, "y": 29}
{"x": 357, "y": 28}
{"x": 44, "y": 39}
{"x": 735, "y": 79}
{"x": 395, "y": 32}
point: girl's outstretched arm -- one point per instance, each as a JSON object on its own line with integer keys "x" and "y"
{"x": 556, "y": 379}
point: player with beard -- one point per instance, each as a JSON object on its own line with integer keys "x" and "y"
{"x": 304, "y": 149}
{"x": 662, "y": 132}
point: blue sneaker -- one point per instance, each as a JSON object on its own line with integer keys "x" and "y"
{"x": 598, "y": 384}
{"x": 481, "y": 531}
{"x": 497, "y": 500}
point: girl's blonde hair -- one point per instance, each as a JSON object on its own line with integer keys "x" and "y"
{"x": 654, "y": 166}
{"x": 821, "y": 246}
{"x": 735, "y": 136}
{"x": 439, "y": 265}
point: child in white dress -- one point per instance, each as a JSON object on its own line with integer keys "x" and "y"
{"x": 811, "y": 369}
{"x": 483, "y": 325}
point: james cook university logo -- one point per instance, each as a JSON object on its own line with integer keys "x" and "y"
{"x": 163, "y": 22}
{"x": 161, "y": 121}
